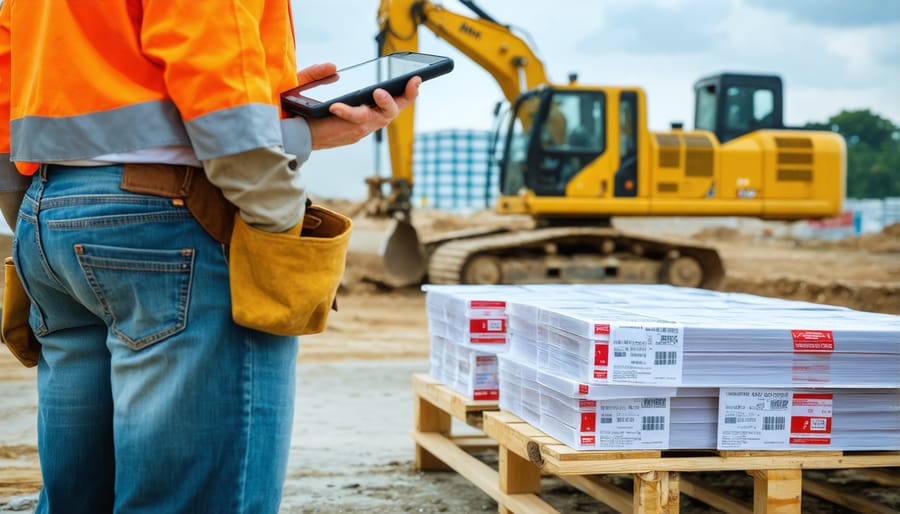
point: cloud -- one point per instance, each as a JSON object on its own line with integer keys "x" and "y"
{"x": 836, "y": 13}
{"x": 657, "y": 28}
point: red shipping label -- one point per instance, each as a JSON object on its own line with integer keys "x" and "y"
{"x": 601, "y": 328}
{"x": 811, "y": 418}
{"x": 601, "y": 355}
{"x": 485, "y": 326}
{"x": 487, "y": 340}
{"x": 487, "y": 304}
{"x": 486, "y": 394}
{"x": 813, "y": 341}
{"x": 588, "y": 421}
{"x": 587, "y": 404}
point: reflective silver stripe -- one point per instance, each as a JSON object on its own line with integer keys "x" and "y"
{"x": 10, "y": 178}
{"x": 144, "y": 125}
{"x": 45, "y": 139}
{"x": 235, "y": 130}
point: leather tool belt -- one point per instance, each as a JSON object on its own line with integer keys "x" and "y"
{"x": 189, "y": 184}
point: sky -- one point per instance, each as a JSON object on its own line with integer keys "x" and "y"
{"x": 832, "y": 55}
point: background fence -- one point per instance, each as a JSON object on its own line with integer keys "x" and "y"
{"x": 452, "y": 170}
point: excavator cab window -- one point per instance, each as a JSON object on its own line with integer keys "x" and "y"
{"x": 748, "y": 108}
{"x": 554, "y": 134}
{"x": 515, "y": 143}
{"x": 625, "y": 180}
{"x": 733, "y": 104}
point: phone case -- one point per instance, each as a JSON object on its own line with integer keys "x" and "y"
{"x": 294, "y": 102}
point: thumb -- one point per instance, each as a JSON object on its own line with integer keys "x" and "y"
{"x": 316, "y": 72}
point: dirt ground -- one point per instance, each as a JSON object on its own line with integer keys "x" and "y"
{"x": 351, "y": 451}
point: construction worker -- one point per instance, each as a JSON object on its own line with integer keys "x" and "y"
{"x": 151, "y": 399}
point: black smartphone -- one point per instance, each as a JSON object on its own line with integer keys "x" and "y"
{"x": 354, "y": 85}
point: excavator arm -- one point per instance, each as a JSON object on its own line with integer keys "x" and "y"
{"x": 491, "y": 45}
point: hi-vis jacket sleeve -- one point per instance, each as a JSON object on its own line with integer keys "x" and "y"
{"x": 215, "y": 69}
{"x": 10, "y": 178}
{"x": 226, "y": 87}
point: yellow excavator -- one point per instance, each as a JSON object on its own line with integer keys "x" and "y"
{"x": 572, "y": 156}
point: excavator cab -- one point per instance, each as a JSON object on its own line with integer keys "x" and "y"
{"x": 733, "y": 104}
{"x": 552, "y": 135}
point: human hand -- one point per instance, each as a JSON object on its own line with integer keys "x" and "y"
{"x": 315, "y": 72}
{"x": 347, "y": 125}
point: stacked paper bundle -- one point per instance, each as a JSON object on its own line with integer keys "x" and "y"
{"x": 812, "y": 419}
{"x": 707, "y": 345}
{"x": 468, "y": 326}
{"x": 471, "y": 373}
{"x": 468, "y": 315}
{"x": 604, "y": 417}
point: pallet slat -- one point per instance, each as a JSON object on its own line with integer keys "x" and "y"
{"x": 697, "y": 489}
{"x": 852, "y": 502}
{"x": 480, "y": 474}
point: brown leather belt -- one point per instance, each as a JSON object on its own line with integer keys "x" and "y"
{"x": 189, "y": 184}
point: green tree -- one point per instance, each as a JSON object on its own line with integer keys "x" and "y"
{"x": 873, "y": 152}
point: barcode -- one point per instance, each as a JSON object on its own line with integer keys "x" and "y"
{"x": 668, "y": 339}
{"x": 773, "y": 422}
{"x": 665, "y": 358}
{"x": 653, "y": 423}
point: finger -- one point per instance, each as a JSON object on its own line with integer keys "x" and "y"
{"x": 412, "y": 87}
{"x": 410, "y": 94}
{"x": 358, "y": 115}
{"x": 316, "y": 72}
{"x": 386, "y": 103}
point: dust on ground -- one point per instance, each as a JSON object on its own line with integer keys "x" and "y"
{"x": 351, "y": 451}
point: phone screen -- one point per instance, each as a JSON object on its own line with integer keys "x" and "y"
{"x": 354, "y": 78}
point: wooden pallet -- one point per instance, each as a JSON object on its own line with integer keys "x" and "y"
{"x": 525, "y": 453}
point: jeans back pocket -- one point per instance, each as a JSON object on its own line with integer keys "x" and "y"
{"x": 144, "y": 293}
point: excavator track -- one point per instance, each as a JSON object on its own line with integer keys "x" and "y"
{"x": 571, "y": 255}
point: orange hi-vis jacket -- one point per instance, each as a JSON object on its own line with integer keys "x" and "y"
{"x": 86, "y": 78}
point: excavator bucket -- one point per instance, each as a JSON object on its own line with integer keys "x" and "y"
{"x": 402, "y": 254}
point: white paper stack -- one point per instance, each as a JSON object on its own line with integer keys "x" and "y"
{"x": 811, "y": 419}
{"x": 608, "y": 417}
{"x": 468, "y": 315}
{"x": 471, "y": 373}
{"x": 519, "y": 388}
{"x": 708, "y": 345}
{"x": 473, "y": 320}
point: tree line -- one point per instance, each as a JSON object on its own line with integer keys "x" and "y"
{"x": 873, "y": 152}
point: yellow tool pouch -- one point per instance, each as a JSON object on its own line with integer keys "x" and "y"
{"x": 14, "y": 328}
{"x": 286, "y": 283}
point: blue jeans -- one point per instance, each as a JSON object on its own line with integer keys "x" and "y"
{"x": 151, "y": 399}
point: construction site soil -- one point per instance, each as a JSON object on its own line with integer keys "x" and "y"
{"x": 351, "y": 449}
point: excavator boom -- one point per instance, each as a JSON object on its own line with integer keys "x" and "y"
{"x": 492, "y": 46}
